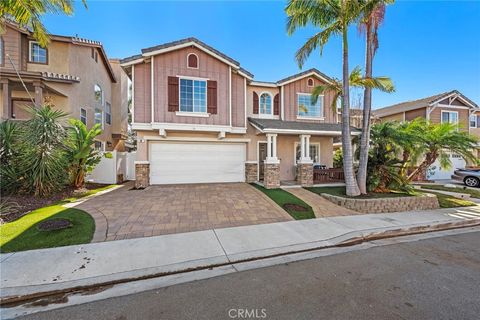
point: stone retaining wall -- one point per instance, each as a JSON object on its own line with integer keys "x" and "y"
{"x": 384, "y": 205}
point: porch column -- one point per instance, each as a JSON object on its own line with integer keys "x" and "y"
{"x": 271, "y": 179}
{"x": 305, "y": 165}
{"x": 6, "y": 99}
{"x": 38, "y": 93}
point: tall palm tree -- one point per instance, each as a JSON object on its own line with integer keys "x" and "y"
{"x": 373, "y": 15}
{"x": 28, "y": 13}
{"x": 333, "y": 17}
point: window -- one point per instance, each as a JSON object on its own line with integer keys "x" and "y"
{"x": 1, "y": 52}
{"x": 307, "y": 109}
{"x": 99, "y": 94}
{"x": 94, "y": 54}
{"x": 473, "y": 121}
{"x": 83, "y": 116}
{"x": 314, "y": 152}
{"x": 37, "y": 53}
{"x": 193, "y": 95}
{"x": 310, "y": 82}
{"x": 450, "y": 117}
{"x": 265, "y": 106}
{"x": 99, "y": 116}
{"x": 192, "y": 61}
{"x": 98, "y": 145}
{"x": 108, "y": 113}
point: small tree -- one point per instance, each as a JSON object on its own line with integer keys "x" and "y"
{"x": 82, "y": 157}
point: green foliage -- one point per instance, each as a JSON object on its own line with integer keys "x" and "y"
{"x": 81, "y": 156}
{"x": 9, "y": 155}
{"x": 338, "y": 159}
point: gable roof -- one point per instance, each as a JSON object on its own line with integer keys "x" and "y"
{"x": 421, "y": 103}
{"x": 306, "y": 73}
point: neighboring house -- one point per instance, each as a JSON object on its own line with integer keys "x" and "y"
{"x": 200, "y": 117}
{"x": 72, "y": 74}
{"x": 451, "y": 107}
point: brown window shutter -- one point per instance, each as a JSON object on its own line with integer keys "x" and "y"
{"x": 276, "y": 105}
{"x": 173, "y": 104}
{"x": 255, "y": 103}
{"x": 212, "y": 97}
{"x": 192, "y": 61}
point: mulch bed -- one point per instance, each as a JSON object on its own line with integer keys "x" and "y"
{"x": 294, "y": 207}
{"x": 54, "y": 224}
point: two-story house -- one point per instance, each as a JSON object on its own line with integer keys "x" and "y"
{"x": 200, "y": 117}
{"x": 451, "y": 107}
{"x": 72, "y": 74}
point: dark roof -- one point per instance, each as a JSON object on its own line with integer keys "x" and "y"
{"x": 303, "y": 74}
{"x": 131, "y": 58}
{"x": 263, "y": 124}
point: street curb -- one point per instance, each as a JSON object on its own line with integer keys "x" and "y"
{"x": 348, "y": 239}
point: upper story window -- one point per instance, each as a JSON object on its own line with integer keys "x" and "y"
{"x": 307, "y": 109}
{"x": 192, "y": 61}
{"x": 99, "y": 116}
{"x": 310, "y": 82}
{"x": 94, "y": 54}
{"x": 450, "y": 117}
{"x": 108, "y": 113}
{"x": 1, "y": 52}
{"x": 37, "y": 54}
{"x": 98, "y": 94}
{"x": 265, "y": 105}
{"x": 473, "y": 121}
{"x": 83, "y": 116}
{"x": 193, "y": 95}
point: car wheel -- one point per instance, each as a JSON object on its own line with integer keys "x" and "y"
{"x": 472, "y": 182}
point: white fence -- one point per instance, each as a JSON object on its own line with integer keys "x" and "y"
{"x": 108, "y": 170}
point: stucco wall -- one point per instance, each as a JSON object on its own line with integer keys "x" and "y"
{"x": 58, "y": 58}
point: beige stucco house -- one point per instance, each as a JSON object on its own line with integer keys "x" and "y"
{"x": 200, "y": 117}
{"x": 72, "y": 74}
{"x": 451, "y": 107}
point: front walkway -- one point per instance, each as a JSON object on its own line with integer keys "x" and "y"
{"x": 128, "y": 213}
{"x": 321, "y": 207}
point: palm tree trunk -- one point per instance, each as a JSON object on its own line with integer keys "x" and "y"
{"x": 350, "y": 180}
{"x": 430, "y": 158}
{"x": 367, "y": 107}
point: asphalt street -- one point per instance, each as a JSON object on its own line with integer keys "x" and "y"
{"x": 436, "y": 278}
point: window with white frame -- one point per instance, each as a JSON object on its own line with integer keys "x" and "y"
{"x": 473, "y": 121}
{"x": 314, "y": 152}
{"x": 108, "y": 113}
{"x": 98, "y": 92}
{"x": 83, "y": 116}
{"x": 193, "y": 95}
{"x": 450, "y": 117}
{"x": 99, "y": 116}
{"x": 37, "y": 53}
{"x": 308, "y": 109}
{"x": 98, "y": 145}
{"x": 265, "y": 106}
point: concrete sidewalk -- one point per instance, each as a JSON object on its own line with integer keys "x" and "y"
{"x": 46, "y": 270}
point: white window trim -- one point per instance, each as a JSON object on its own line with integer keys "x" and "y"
{"x": 30, "y": 52}
{"x": 102, "y": 98}
{"x": 470, "y": 121}
{"x": 191, "y": 113}
{"x": 110, "y": 113}
{"x": 446, "y": 111}
{"x": 103, "y": 145}
{"x": 86, "y": 120}
{"x": 313, "y": 82}
{"x": 320, "y": 117}
{"x": 198, "y": 61}
{"x": 102, "y": 121}
{"x": 265, "y": 115}
{"x": 297, "y": 143}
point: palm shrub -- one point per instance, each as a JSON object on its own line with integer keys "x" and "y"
{"x": 82, "y": 157}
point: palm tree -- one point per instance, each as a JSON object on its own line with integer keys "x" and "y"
{"x": 28, "y": 13}
{"x": 334, "y": 18}
{"x": 373, "y": 15}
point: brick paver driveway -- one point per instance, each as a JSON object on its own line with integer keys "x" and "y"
{"x": 125, "y": 213}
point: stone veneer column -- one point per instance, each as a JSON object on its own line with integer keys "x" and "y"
{"x": 305, "y": 174}
{"x": 142, "y": 174}
{"x": 271, "y": 175}
{"x": 251, "y": 171}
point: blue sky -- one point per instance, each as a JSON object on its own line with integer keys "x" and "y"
{"x": 426, "y": 47}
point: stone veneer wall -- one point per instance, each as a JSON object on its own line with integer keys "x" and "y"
{"x": 251, "y": 170}
{"x": 384, "y": 205}
{"x": 271, "y": 176}
{"x": 305, "y": 174}
{"x": 142, "y": 175}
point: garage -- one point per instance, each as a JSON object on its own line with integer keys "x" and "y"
{"x": 437, "y": 173}
{"x": 196, "y": 162}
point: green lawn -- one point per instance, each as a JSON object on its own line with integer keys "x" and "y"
{"x": 447, "y": 201}
{"x": 282, "y": 197}
{"x": 23, "y": 234}
{"x": 473, "y": 193}
{"x": 340, "y": 191}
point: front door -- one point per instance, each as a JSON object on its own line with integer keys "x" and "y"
{"x": 262, "y": 155}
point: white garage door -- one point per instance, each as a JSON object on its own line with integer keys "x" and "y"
{"x": 172, "y": 163}
{"x": 437, "y": 173}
